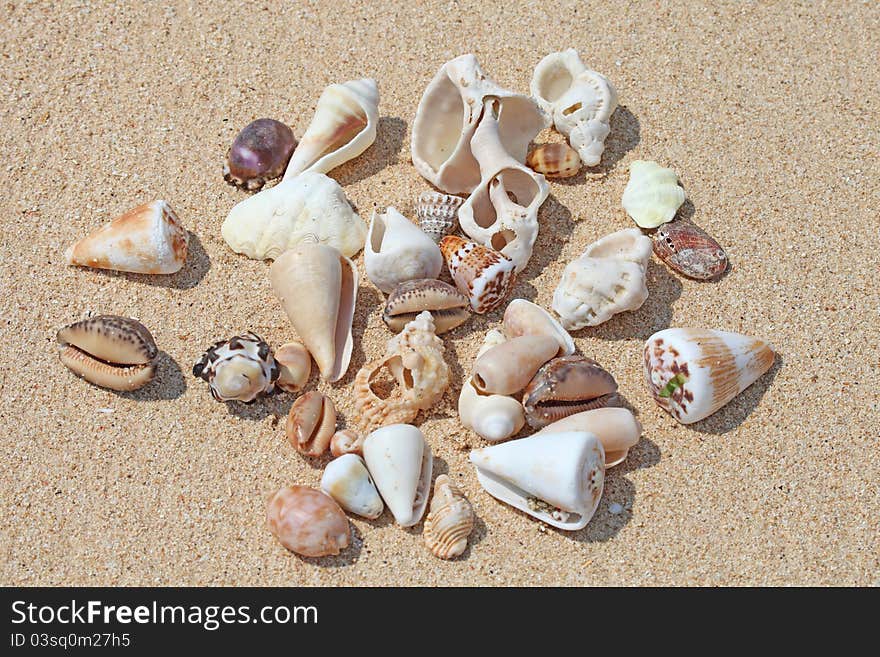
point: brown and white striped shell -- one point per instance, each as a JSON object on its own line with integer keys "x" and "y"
{"x": 447, "y": 306}
{"x": 241, "y": 368}
{"x": 109, "y": 351}
{"x": 450, "y": 520}
{"x": 483, "y": 275}
{"x": 438, "y": 214}
{"x": 565, "y": 386}
{"x": 311, "y": 423}
{"x": 555, "y": 160}
{"x": 689, "y": 250}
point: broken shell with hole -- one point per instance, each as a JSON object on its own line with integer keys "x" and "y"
{"x": 608, "y": 278}
{"x": 294, "y": 366}
{"x": 343, "y": 127}
{"x": 317, "y": 287}
{"x": 311, "y": 423}
{"x": 309, "y": 208}
{"x": 694, "y": 372}
{"x": 485, "y": 276}
{"x": 347, "y": 481}
{"x": 148, "y": 239}
{"x": 523, "y": 317}
{"x": 616, "y": 428}
{"x": 450, "y": 520}
{"x": 438, "y": 214}
{"x": 400, "y": 462}
{"x": 448, "y": 307}
{"x": 397, "y": 250}
{"x": 447, "y": 117}
{"x": 259, "y": 153}
{"x": 109, "y": 351}
{"x": 557, "y": 160}
{"x": 241, "y": 368}
{"x": 689, "y": 250}
{"x": 652, "y": 196}
{"x": 347, "y": 441}
{"x": 580, "y": 101}
{"x": 567, "y": 385}
{"x": 308, "y": 522}
{"x": 557, "y": 478}
{"x": 508, "y": 367}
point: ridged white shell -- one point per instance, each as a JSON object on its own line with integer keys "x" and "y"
{"x": 652, "y": 196}
{"x": 450, "y": 520}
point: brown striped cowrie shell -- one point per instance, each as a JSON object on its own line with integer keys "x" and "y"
{"x": 554, "y": 160}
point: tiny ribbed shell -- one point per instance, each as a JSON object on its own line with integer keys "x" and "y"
{"x": 449, "y": 522}
{"x": 438, "y": 213}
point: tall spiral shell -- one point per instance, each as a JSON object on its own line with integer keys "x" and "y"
{"x": 450, "y": 520}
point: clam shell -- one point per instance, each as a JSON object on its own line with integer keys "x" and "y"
{"x": 311, "y": 423}
{"x": 241, "y": 368}
{"x": 343, "y": 127}
{"x": 450, "y": 520}
{"x": 308, "y": 522}
{"x": 109, "y": 351}
{"x": 652, "y": 196}
{"x": 400, "y": 462}
{"x": 523, "y": 317}
{"x": 508, "y": 367}
{"x": 347, "y": 441}
{"x": 554, "y": 160}
{"x": 492, "y": 417}
{"x": 148, "y": 239}
{"x": 260, "y": 152}
{"x": 294, "y": 366}
{"x": 397, "y": 251}
{"x": 347, "y": 480}
{"x": 448, "y": 307}
{"x": 482, "y": 274}
{"x": 317, "y": 287}
{"x": 689, "y": 250}
{"x": 616, "y": 428}
{"x": 565, "y": 386}
{"x": 438, "y": 214}
{"x": 693, "y": 372}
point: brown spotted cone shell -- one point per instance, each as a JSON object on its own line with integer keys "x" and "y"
{"x": 483, "y": 275}
{"x": 450, "y": 520}
{"x": 554, "y": 160}
{"x": 689, "y": 250}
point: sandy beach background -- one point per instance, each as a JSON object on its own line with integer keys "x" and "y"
{"x": 768, "y": 112}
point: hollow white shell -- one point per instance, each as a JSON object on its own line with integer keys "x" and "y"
{"x": 557, "y": 478}
{"x": 310, "y": 207}
{"x": 397, "y": 250}
{"x": 652, "y": 196}
{"x": 523, "y": 317}
{"x": 343, "y": 127}
{"x": 400, "y": 462}
{"x": 448, "y": 114}
{"x": 608, "y": 278}
{"x": 616, "y": 428}
{"x": 580, "y": 101}
{"x": 347, "y": 480}
{"x": 492, "y": 417}
{"x": 502, "y": 211}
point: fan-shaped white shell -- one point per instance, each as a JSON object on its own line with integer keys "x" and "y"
{"x": 652, "y": 196}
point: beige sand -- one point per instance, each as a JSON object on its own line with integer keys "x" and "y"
{"x": 769, "y": 114}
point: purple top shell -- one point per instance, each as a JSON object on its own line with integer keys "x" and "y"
{"x": 259, "y": 153}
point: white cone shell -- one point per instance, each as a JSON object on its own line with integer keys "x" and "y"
{"x": 492, "y": 417}
{"x": 400, "y": 462}
{"x": 616, "y": 428}
{"x": 397, "y": 250}
{"x": 565, "y": 470}
{"x": 347, "y": 480}
{"x": 336, "y": 102}
{"x": 310, "y": 207}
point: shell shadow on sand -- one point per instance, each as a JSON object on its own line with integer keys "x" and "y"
{"x": 625, "y": 135}
{"x": 169, "y": 383}
{"x": 390, "y": 133}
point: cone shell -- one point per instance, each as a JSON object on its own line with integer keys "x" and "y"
{"x": 693, "y": 372}
{"x": 308, "y": 522}
{"x": 397, "y": 251}
{"x": 555, "y": 160}
{"x": 400, "y": 462}
{"x": 557, "y": 478}
{"x": 448, "y": 307}
{"x": 492, "y": 417}
{"x": 109, "y": 351}
{"x": 689, "y": 250}
{"x": 317, "y": 287}
{"x": 652, "y": 196}
{"x": 450, "y": 520}
{"x": 311, "y": 423}
{"x": 523, "y": 317}
{"x": 148, "y": 239}
{"x": 343, "y": 127}
{"x": 616, "y": 428}
{"x": 508, "y": 367}
{"x": 347, "y": 481}
{"x": 438, "y": 214}
{"x": 483, "y": 275}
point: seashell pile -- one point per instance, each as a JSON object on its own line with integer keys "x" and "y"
{"x": 469, "y": 137}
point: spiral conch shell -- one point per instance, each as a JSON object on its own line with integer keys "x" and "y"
{"x": 344, "y": 126}
{"x": 438, "y": 214}
{"x": 608, "y": 278}
{"x": 450, "y": 520}
{"x": 241, "y": 368}
{"x": 580, "y": 101}
{"x": 415, "y": 360}
{"x": 652, "y": 196}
